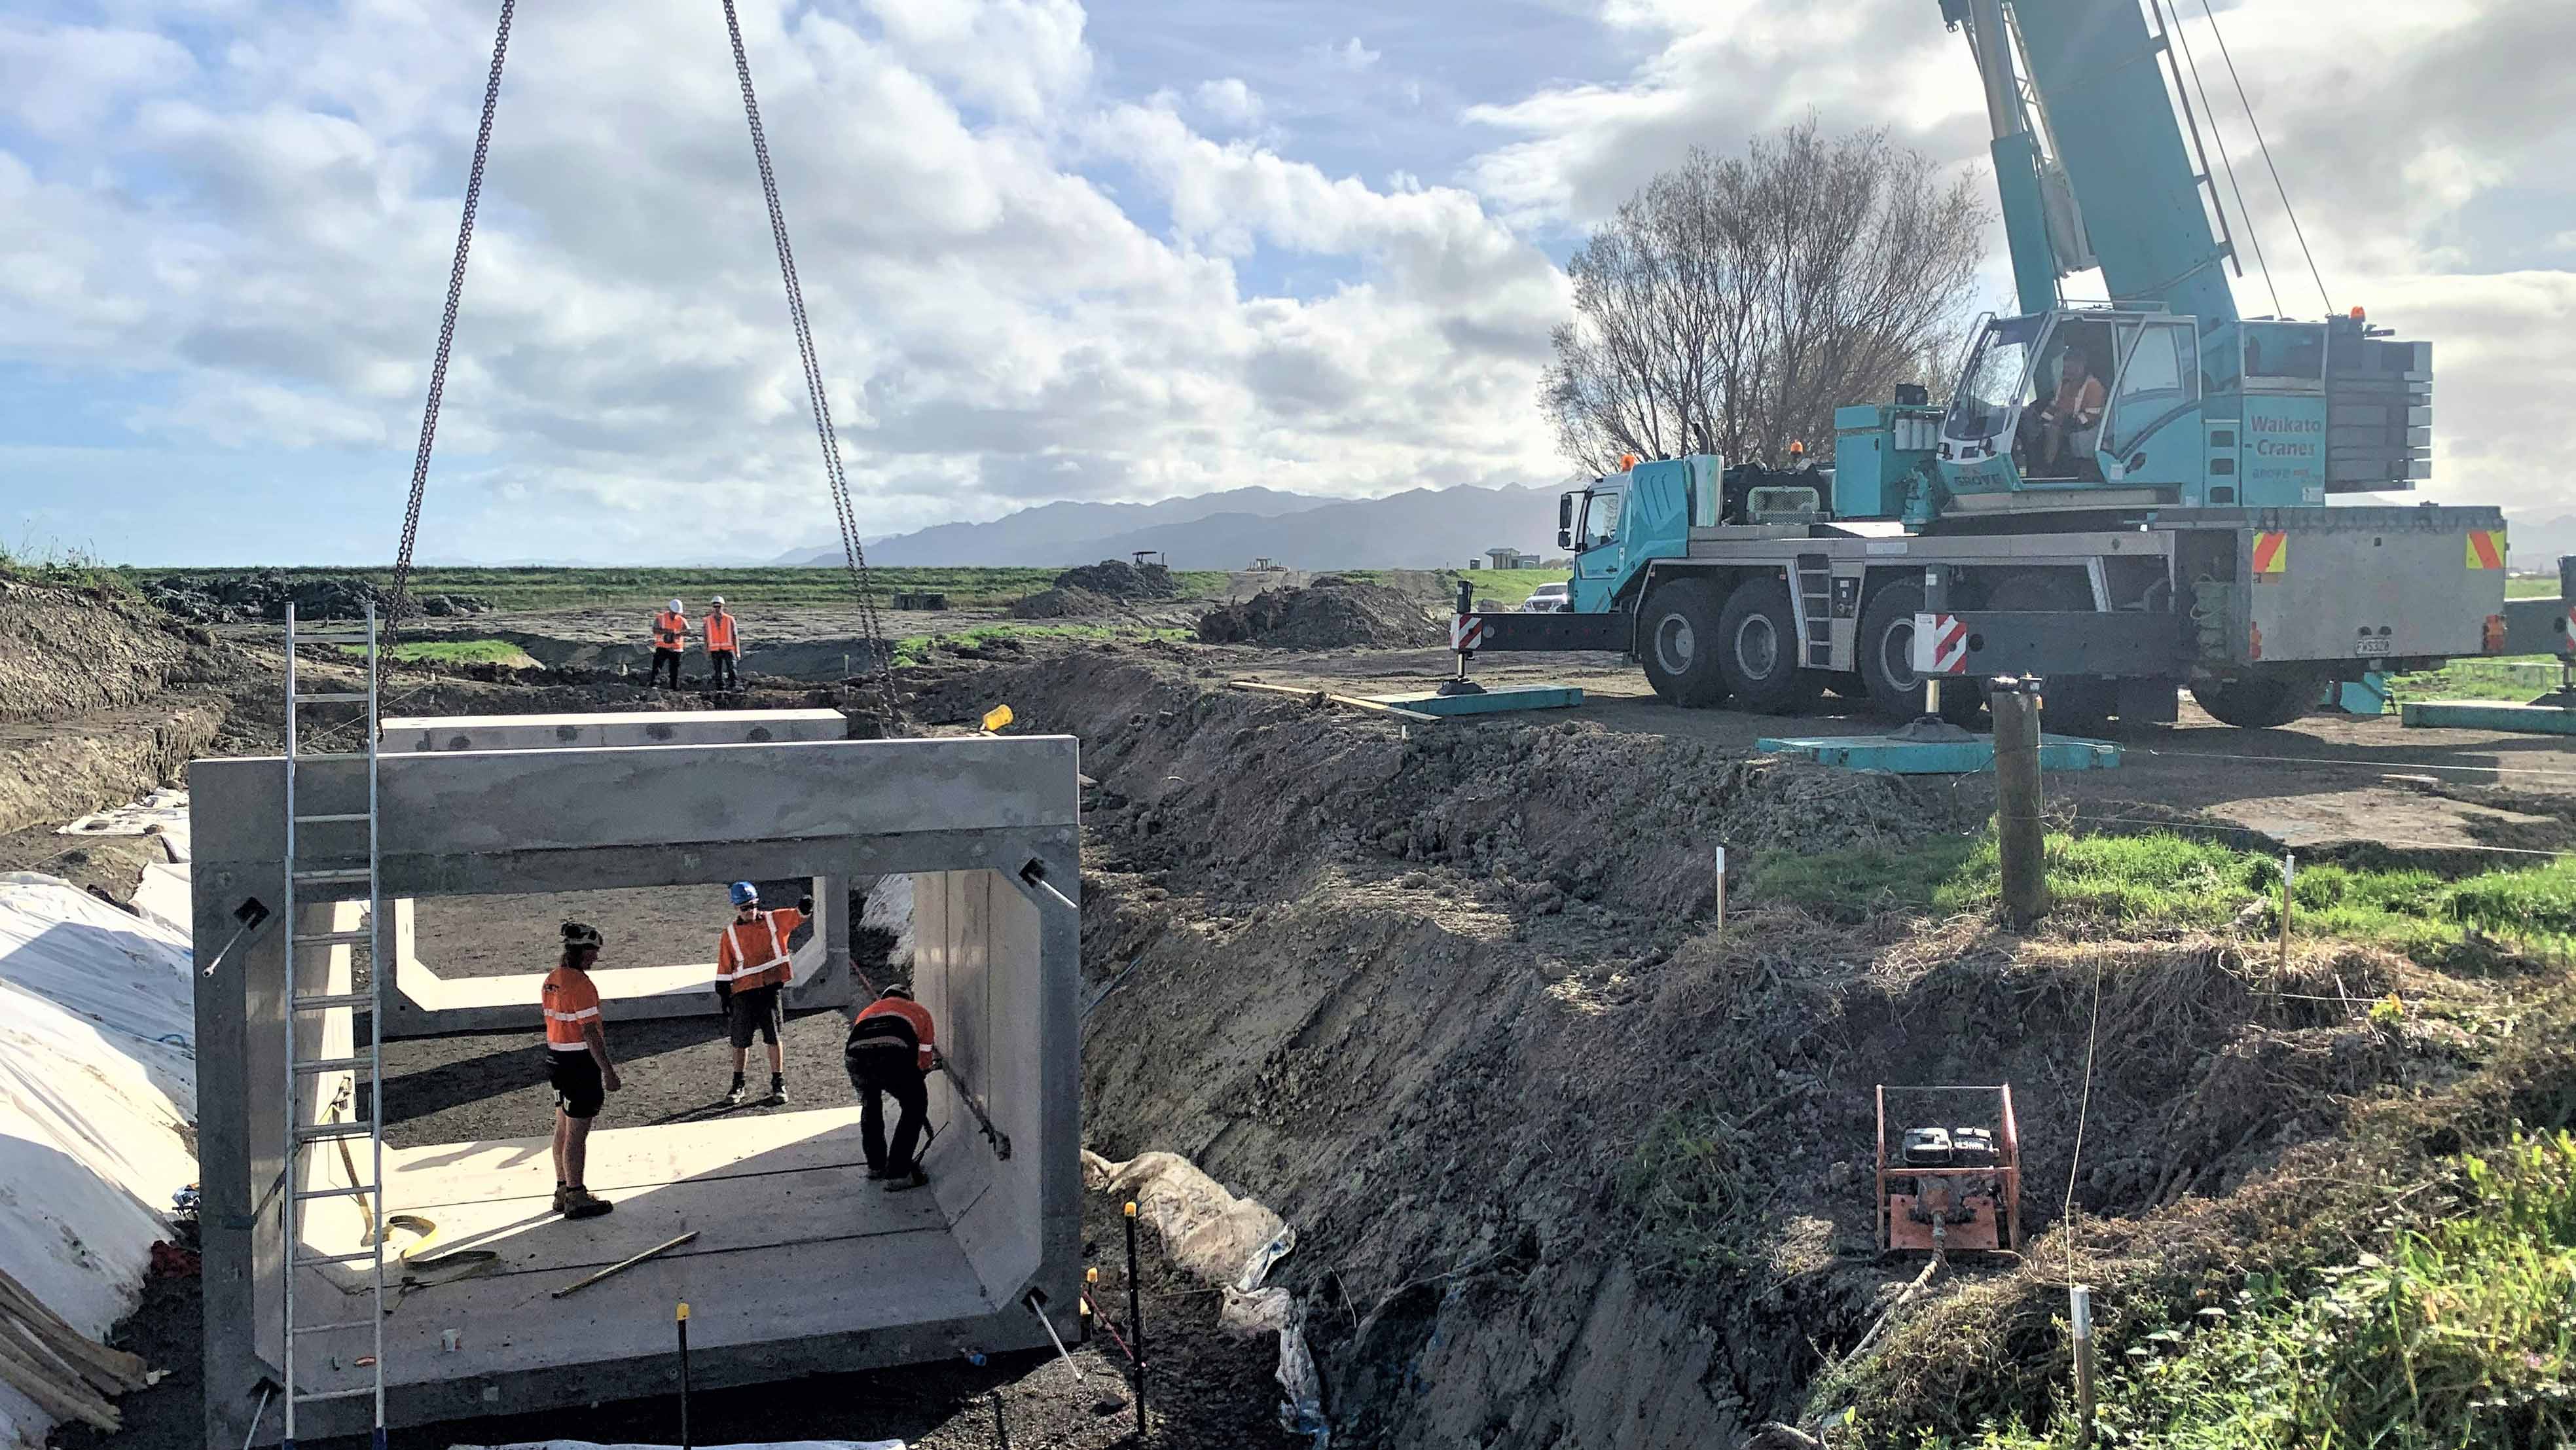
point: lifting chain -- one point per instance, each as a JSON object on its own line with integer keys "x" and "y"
{"x": 880, "y": 656}
{"x": 400, "y": 606}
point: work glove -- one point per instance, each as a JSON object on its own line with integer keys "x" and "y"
{"x": 724, "y": 997}
{"x": 805, "y": 905}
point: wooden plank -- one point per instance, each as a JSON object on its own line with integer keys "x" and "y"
{"x": 1354, "y": 701}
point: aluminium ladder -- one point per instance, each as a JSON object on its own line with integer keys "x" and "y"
{"x": 333, "y": 882}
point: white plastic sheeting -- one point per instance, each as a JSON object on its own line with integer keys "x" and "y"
{"x": 162, "y": 894}
{"x": 98, "y": 1093}
{"x": 1231, "y": 1242}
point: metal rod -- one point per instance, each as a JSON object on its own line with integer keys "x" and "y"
{"x": 622, "y": 1265}
{"x": 1001, "y": 1431}
{"x": 288, "y": 1218}
{"x": 1136, "y": 1319}
{"x": 2079, "y": 1303}
{"x": 1721, "y": 890}
{"x": 1049, "y": 1325}
{"x": 684, "y": 1374}
{"x": 2289, "y": 874}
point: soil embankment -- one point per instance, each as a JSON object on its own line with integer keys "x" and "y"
{"x": 100, "y": 701}
{"x": 1572, "y": 1166}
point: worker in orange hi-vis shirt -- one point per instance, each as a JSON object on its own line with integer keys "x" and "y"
{"x": 577, "y": 1066}
{"x": 891, "y": 1051}
{"x": 752, "y": 970}
{"x": 670, "y": 636}
{"x": 724, "y": 647}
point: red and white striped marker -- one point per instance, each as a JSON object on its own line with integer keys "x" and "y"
{"x": 1940, "y": 645}
{"x": 1466, "y": 632}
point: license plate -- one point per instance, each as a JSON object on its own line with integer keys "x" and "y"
{"x": 2371, "y": 647}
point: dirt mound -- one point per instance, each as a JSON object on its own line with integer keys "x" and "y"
{"x": 264, "y": 595}
{"x": 1331, "y": 613}
{"x": 1120, "y": 579}
{"x": 1065, "y": 601}
{"x": 73, "y": 650}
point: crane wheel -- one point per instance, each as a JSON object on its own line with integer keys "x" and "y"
{"x": 1887, "y": 660}
{"x": 2260, "y": 702}
{"x": 1677, "y": 643}
{"x": 1757, "y": 651}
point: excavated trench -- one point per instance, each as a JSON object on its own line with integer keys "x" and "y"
{"x": 1571, "y": 1166}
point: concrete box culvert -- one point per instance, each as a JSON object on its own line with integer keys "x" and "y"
{"x": 801, "y": 1266}
{"x": 424, "y": 1002}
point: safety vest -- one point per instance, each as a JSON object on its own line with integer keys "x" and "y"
{"x": 891, "y": 1016}
{"x": 572, "y": 1004}
{"x": 754, "y": 953}
{"x": 670, "y": 631}
{"x": 719, "y": 632}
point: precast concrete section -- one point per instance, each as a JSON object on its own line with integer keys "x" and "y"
{"x": 424, "y": 1003}
{"x": 800, "y": 1265}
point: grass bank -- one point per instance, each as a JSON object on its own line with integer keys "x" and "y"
{"x": 2461, "y": 1331}
{"x": 454, "y": 652}
{"x": 920, "y": 648}
{"x": 2163, "y": 879}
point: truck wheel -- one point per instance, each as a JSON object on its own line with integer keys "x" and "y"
{"x": 1887, "y": 660}
{"x": 2070, "y": 704}
{"x": 2260, "y": 702}
{"x": 1757, "y": 650}
{"x": 1677, "y": 643}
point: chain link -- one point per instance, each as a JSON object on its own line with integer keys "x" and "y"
{"x": 880, "y": 657}
{"x": 400, "y": 604}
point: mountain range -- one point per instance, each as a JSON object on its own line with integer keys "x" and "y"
{"x": 1419, "y": 529}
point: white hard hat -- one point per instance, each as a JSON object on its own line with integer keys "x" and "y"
{"x": 675, "y": 606}
{"x": 718, "y": 601}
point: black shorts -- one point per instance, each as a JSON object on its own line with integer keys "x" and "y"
{"x": 754, "y": 1011}
{"x": 575, "y": 1077}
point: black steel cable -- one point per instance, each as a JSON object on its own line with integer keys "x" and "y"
{"x": 399, "y": 603}
{"x": 881, "y": 659}
{"x": 2266, "y": 148}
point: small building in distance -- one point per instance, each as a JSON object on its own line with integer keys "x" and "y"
{"x": 1512, "y": 559}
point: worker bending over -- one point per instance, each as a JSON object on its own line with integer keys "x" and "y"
{"x": 577, "y": 1066}
{"x": 670, "y": 636}
{"x": 722, "y": 647}
{"x": 891, "y": 1051}
{"x": 752, "y": 970}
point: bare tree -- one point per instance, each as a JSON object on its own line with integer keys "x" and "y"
{"x": 1733, "y": 304}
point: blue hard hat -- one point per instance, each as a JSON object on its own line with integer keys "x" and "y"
{"x": 744, "y": 893}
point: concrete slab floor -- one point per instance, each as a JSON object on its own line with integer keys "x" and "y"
{"x": 792, "y": 1241}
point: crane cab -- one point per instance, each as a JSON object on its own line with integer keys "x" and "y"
{"x": 2101, "y": 406}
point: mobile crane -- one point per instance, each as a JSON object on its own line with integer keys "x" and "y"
{"x": 2169, "y": 526}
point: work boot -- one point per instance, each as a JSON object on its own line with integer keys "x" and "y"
{"x": 876, "y": 1173}
{"x": 563, "y": 1198}
{"x": 580, "y": 1202}
{"x": 900, "y": 1182}
{"x": 777, "y": 1090}
{"x": 733, "y": 1095}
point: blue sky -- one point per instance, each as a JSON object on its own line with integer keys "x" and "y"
{"x": 1124, "y": 250}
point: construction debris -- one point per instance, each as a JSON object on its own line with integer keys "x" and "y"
{"x": 1118, "y": 579}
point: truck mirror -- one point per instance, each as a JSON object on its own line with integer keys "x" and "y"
{"x": 1565, "y": 538}
{"x": 1564, "y": 515}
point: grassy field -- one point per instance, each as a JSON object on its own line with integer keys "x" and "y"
{"x": 2519, "y": 587}
{"x": 2164, "y": 879}
{"x": 1508, "y": 587}
{"x": 2512, "y": 677}
{"x": 455, "y": 652}
{"x": 551, "y": 588}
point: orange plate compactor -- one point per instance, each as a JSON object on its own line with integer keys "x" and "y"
{"x": 1949, "y": 1188}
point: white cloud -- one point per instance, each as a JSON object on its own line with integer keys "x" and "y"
{"x": 995, "y": 328}
{"x": 1229, "y": 102}
{"x": 1349, "y": 55}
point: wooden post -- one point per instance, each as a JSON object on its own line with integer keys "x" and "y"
{"x": 2289, "y": 874}
{"x": 1721, "y": 890}
{"x": 2079, "y": 1300}
{"x": 1136, "y": 1319}
{"x": 2018, "y": 841}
